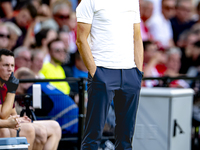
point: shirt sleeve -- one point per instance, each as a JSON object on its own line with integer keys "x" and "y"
{"x": 85, "y": 11}
{"x": 137, "y": 10}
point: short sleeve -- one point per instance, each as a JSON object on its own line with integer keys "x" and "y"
{"x": 137, "y": 10}
{"x": 85, "y": 11}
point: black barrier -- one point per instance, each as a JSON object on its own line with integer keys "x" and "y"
{"x": 81, "y": 88}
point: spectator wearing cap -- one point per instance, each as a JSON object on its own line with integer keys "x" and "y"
{"x": 23, "y": 19}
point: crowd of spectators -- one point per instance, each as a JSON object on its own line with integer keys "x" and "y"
{"x": 170, "y": 33}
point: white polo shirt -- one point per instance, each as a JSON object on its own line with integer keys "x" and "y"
{"x": 112, "y": 44}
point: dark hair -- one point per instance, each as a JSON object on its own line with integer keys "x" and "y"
{"x": 198, "y": 6}
{"x": 42, "y": 34}
{"x": 32, "y": 10}
{"x": 178, "y": 2}
{"x": 51, "y": 42}
{"x": 77, "y": 55}
{"x": 6, "y": 53}
{"x": 146, "y": 44}
{"x": 197, "y": 44}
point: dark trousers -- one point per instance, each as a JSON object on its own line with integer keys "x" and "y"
{"x": 122, "y": 86}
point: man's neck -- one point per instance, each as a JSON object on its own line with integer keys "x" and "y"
{"x": 54, "y": 63}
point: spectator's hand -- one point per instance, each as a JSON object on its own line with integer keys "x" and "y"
{"x": 12, "y": 84}
{"x": 25, "y": 119}
{"x": 14, "y": 122}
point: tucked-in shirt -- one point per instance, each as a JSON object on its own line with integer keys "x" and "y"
{"x": 112, "y": 21}
{"x": 55, "y": 72}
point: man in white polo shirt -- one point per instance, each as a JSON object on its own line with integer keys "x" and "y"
{"x": 114, "y": 59}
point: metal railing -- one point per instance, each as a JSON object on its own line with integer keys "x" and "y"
{"x": 81, "y": 88}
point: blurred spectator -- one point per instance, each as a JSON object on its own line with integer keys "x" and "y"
{"x": 183, "y": 19}
{"x": 6, "y": 10}
{"x": 42, "y": 39}
{"x": 157, "y": 6}
{"x": 22, "y": 57}
{"x": 53, "y": 69}
{"x": 10, "y": 8}
{"x": 65, "y": 20}
{"x": 173, "y": 66}
{"x": 36, "y": 3}
{"x": 72, "y": 21}
{"x": 70, "y": 57}
{"x": 64, "y": 36}
{"x": 44, "y": 10}
{"x": 4, "y": 36}
{"x": 152, "y": 58}
{"x": 187, "y": 48}
{"x": 196, "y": 29}
{"x": 61, "y": 13}
{"x": 158, "y": 22}
{"x": 194, "y": 59}
{"x": 182, "y": 41}
{"x": 15, "y": 33}
{"x": 37, "y": 58}
{"x": 79, "y": 69}
{"x": 23, "y": 19}
{"x": 198, "y": 11}
{"x": 146, "y": 11}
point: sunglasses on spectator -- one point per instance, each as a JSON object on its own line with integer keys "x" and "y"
{"x": 60, "y": 50}
{"x": 63, "y": 17}
{"x": 169, "y": 7}
{"x": 4, "y": 36}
